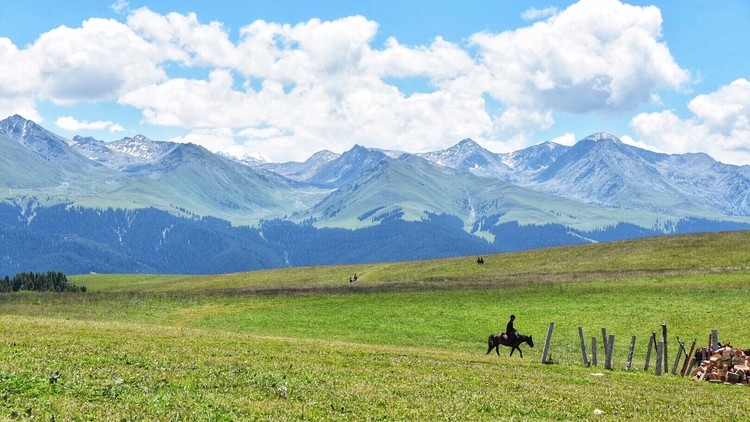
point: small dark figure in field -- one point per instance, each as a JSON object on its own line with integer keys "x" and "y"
{"x": 480, "y": 260}
{"x": 502, "y": 339}
{"x": 353, "y": 279}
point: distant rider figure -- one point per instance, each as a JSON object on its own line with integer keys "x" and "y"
{"x": 510, "y": 331}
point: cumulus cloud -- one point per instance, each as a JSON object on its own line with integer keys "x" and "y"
{"x": 719, "y": 125}
{"x": 72, "y": 124}
{"x": 595, "y": 56}
{"x": 183, "y": 39}
{"x": 291, "y": 90}
{"x": 98, "y": 61}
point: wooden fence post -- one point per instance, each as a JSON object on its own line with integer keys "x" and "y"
{"x": 659, "y": 356}
{"x": 680, "y": 351}
{"x": 593, "y": 351}
{"x": 604, "y": 342}
{"x": 664, "y": 340}
{"x": 630, "y": 354}
{"x": 583, "y": 346}
{"x": 610, "y": 348}
{"x": 704, "y": 356}
{"x": 688, "y": 357}
{"x": 714, "y": 341}
{"x": 651, "y": 344}
{"x": 547, "y": 341}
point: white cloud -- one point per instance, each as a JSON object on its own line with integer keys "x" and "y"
{"x": 22, "y": 106}
{"x": 291, "y": 90}
{"x": 120, "y": 6}
{"x": 18, "y": 71}
{"x": 96, "y": 62}
{"x": 597, "y": 55}
{"x": 214, "y": 140}
{"x": 183, "y": 39}
{"x": 321, "y": 87}
{"x": 726, "y": 111}
{"x": 534, "y": 13}
{"x": 72, "y": 124}
{"x": 566, "y": 139}
{"x": 719, "y": 125}
{"x": 439, "y": 61}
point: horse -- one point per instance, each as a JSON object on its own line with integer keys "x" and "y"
{"x": 496, "y": 340}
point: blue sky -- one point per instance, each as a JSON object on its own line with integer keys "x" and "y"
{"x": 286, "y": 79}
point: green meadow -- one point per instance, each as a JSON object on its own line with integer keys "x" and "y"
{"x": 406, "y": 341}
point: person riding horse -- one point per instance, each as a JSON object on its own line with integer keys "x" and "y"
{"x": 509, "y": 338}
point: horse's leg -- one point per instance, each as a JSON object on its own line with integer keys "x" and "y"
{"x": 512, "y": 349}
{"x": 492, "y": 343}
{"x": 520, "y": 351}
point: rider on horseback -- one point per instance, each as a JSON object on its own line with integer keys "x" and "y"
{"x": 510, "y": 331}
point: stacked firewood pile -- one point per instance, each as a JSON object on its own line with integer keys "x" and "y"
{"x": 725, "y": 364}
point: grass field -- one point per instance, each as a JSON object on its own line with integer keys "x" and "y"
{"x": 407, "y": 341}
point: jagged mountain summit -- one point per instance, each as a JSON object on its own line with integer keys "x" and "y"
{"x": 139, "y": 172}
{"x": 37, "y": 163}
{"x": 45, "y": 144}
{"x": 601, "y": 169}
{"x": 123, "y": 154}
{"x": 330, "y": 170}
{"x": 469, "y": 156}
{"x": 142, "y": 147}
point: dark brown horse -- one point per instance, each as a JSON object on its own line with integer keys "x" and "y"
{"x": 496, "y": 340}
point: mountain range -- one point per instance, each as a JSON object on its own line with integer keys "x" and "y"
{"x": 483, "y": 202}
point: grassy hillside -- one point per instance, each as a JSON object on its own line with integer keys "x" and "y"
{"x": 407, "y": 341}
{"x": 692, "y": 254}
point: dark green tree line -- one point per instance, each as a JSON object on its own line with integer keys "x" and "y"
{"x": 39, "y": 282}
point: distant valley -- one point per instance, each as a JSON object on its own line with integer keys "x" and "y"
{"x": 138, "y": 205}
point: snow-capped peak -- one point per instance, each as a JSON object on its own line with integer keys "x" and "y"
{"x": 602, "y": 136}
{"x": 142, "y": 147}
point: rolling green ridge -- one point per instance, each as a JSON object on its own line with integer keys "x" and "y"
{"x": 406, "y": 341}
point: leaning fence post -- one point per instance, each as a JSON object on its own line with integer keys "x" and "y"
{"x": 630, "y": 354}
{"x": 704, "y": 356}
{"x": 604, "y": 342}
{"x": 659, "y": 356}
{"x": 547, "y": 341}
{"x": 583, "y": 347}
{"x": 593, "y": 351}
{"x": 680, "y": 351}
{"x": 651, "y": 345}
{"x": 688, "y": 357}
